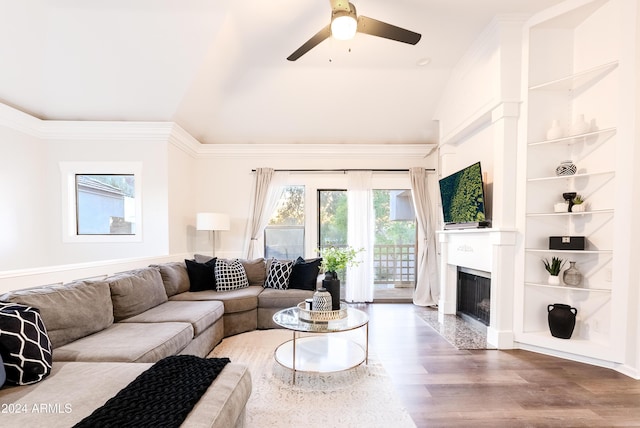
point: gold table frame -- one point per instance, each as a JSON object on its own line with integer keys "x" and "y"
{"x": 321, "y": 352}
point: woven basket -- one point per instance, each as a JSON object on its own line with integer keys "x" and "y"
{"x": 321, "y": 316}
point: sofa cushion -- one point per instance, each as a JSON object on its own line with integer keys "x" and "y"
{"x": 131, "y": 342}
{"x": 135, "y": 291}
{"x": 278, "y": 275}
{"x": 78, "y": 388}
{"x": 230, "y": 275}
{"x": 304, "y": 275}
{"x": 202, "y": 276}
{"x": 24, "y": 345}
{"x": 201, "y": 315}
{"x": 69, "y": 311}
{"x": 174, "y": 277}
{"x": 256, "y": 271}
{"x": 244, "y": 299}
{"x": 272, "y": 298}
{"x": 201, "y": 258}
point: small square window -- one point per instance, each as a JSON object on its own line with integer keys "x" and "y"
{"x": 105, "y": 204}
{"x": 101, "y": 201}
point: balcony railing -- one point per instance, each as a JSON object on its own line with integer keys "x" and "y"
{"x": 395, "y": 265}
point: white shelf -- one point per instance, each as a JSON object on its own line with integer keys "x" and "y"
{"x": 566, "y": 287}
{"x": 599, "y": 135}
{"x": 570, "y": 214}
{"x": 577, "y": 80}
{"x": 571, "y": 69}
{"x": 566, "y": 177}
{"x": 540, "y": 250}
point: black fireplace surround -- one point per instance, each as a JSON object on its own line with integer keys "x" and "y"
{"x": 474, "y": 295}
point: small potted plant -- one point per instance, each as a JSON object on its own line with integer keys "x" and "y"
{"x": 336, "y": 259}
{"x": 553, "y": 266}
{"x": 578, "y": 204}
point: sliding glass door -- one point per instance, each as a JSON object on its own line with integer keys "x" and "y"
{"x": 394, "y": 247}
{"x": 394, "y": 251}
{"x": 332, "y": 224}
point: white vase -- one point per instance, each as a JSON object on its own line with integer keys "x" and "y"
{"x": 553, "y": 280}
{"x": 578, "y": 208}
{"x": 561, "y": 207}
{"x": 555, "y": 131}
{"x": 580, "y": 126}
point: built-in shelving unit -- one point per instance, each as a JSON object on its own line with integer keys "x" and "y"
{"x": 572, "y": 66}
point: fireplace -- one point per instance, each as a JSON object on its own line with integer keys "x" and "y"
{"x": 474, "y": 295}
{"x": 488, "y": 254}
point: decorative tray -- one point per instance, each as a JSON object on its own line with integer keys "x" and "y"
{"x": 321, "y": 316}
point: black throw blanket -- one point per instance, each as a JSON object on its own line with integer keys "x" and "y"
{"x": 161, "y": 396}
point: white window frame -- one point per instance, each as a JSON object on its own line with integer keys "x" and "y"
{"x": 68, "y": 172}
{"x": 312, "y": 181}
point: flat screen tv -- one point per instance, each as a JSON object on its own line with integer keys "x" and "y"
{"x": 463, "y": 199}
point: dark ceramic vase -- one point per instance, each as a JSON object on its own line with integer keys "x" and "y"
{"x": 562, "y": 320}
{"x": 332, "y": 284}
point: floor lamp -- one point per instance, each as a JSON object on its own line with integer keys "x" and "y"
{"x": 212, "y": 222}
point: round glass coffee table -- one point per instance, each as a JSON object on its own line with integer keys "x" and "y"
{"x": 322, "y": 353}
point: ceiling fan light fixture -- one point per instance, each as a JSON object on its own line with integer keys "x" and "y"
{"x": 344, "y": 25}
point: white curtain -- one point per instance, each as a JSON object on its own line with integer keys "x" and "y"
{"x": 427, "y": 289}
{"x": 360, "y": 227}
{"x": 269, "y": 186}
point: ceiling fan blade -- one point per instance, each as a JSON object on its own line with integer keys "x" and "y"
{"x": 382, "y": 29}
{"x": 314, "y": 41}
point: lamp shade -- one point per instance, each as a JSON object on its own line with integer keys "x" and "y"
{"x": 212, "y": 221}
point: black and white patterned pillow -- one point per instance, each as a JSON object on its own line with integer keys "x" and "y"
{"x": 278, "y": 275}
{"x": 230, "y": 275}
{"x": 24, "y": 344}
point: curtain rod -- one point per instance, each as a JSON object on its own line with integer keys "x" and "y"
{"x": 345, "y": 170}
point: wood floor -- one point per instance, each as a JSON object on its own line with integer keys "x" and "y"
{"x": 445, "y": 387}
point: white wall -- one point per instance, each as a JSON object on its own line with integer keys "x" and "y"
{"x": 225, "y": 182}
{"x": 478, "y": 115}
{"x": 153, "y": 156}
{"x": 24, "y": 186}
{"x": 182, "y": 199}
{"x": 180, "y": 177}
{"x": 31, "y": 188}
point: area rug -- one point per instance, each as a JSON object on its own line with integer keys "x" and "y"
{"x": 456, "y": 331}
{"x": 360, "y": 397}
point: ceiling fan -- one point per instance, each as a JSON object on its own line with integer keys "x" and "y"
{"x": 345, "y": 23}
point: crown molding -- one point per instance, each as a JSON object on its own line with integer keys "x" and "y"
{"x": 106, "y": 130}
{"x": 314, "y": 151}
{"x": 19, "y": 121}
{"x": 184, "y": 141}
{"x": 172, "y": 133}
{"x": 84, "y": 130}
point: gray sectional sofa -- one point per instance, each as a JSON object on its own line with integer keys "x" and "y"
{"x": 105, "y": 332}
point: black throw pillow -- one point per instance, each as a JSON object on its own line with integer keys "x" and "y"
{"x": 304, "y": 274}
{"x": 202, "y": 276}
{"x": 24, "y": 344}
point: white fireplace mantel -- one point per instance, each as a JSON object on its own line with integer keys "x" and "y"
{"x": 488, "y": 250}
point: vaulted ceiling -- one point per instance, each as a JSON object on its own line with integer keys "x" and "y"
{"x": 219, "y": 69}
